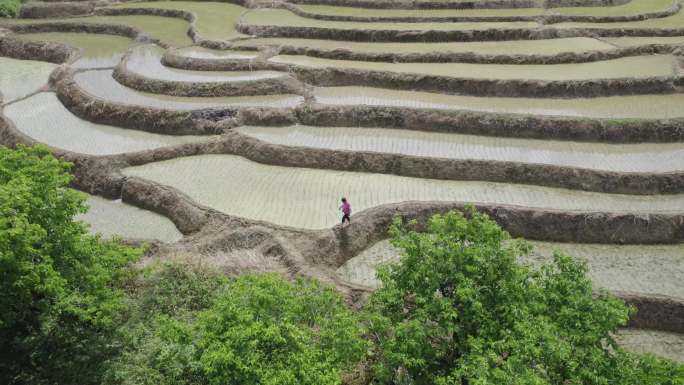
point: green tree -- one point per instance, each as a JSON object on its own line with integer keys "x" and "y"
{"x": 253, "y": 329}
{"x": 58, "y": 304}
{"x": 458, "y": 309}
{"x": 265, "y": 330}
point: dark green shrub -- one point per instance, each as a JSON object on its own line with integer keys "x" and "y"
{"x": 9, "y": 8}
{"x": 458, "y": 309}
{"x": 255, "y": 329}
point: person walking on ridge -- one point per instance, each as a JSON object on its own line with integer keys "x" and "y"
{"x": 346, "y": 210}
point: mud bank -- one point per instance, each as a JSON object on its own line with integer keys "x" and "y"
{"x": 406, "y": 36}
{"x": 36, "y": 50}
{"x": 40, "y": 10}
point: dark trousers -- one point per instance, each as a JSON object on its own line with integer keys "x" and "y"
{"x": 345, "y": 217}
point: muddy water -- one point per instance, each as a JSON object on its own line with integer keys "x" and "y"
{"x": 19, "y": 78}
{"x": 663, "y": 344}
{"x": 281, "y": 17}
{"x": 145, "y": 60}
{"x": 515, "y": 47}
{"x": 111, "y": 218}
{"x": 96, "y": 50}
{"x": 629, "y": 67}
{"x": 168, "y": 29}
{"x": 214, "y": 20}
{"x": 623, "y": 158}
{"x": 101, "y": 84}
{"x": 637, "y": 106}
{"x": 45, "y": 119}
{"x": 371, "y": 12}
{"x": 634, "y": 7}
{"x": 674, "y": 21}
{"x": 196, "y": 52}
{"x": 651, "y": 270}
{"x": 643, "y": 40}
{"x": 307, "y": 198}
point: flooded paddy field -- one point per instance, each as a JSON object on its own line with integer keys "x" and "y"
{"x": 281, "y": 17}
{"x": 97, "y": 50}
{"x": 145, "y": 60}
{"x": 613, "y": 107}
{"x": 629, "y": 67}
{"x": 514, "y": 47}
{"x": 43, "y": 118}
{"x": 652, "y": 158}
{"x": 170, "y": 30}
{"x": 305, "y": 198}
{"x": 214, "y": 20}
{"x": 634, "y": 7}
{"x": 20, "y": 78}
{"x": 115, "y": 218}
{"x": 196, "y": 52}
{"x": 101, "y": 85}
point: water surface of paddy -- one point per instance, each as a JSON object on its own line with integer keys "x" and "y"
{"x": 197, "y": 52}
{"x": 307, "y": 198}
{"x": 111, "y": 218}
{"x": 281, "y": 17}
{"x": 633, "y": 7}
{"x": 644, "y": 40}
{"x": 663, "y": 344}
{"x": 656, "y": 158}
{"x": 631, "y": 106}
{"x": 45, "y": 119}
{"x": 19, "y": 78}
{"x": 101, "y": 85}
{"x": 97, "y": 50}
{"x": 214, "y": 20}
{"x": 513, "y": 47}
{"x": 628, "y": 67}
{"x": 167, "y": 29}
{"x": 145, "y": 60}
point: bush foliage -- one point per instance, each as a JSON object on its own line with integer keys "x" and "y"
{"x": 9, "y": 8}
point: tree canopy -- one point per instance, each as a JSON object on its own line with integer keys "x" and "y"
{"x": 459, "y": 309}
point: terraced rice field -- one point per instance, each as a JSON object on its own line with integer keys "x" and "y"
{"x": 614, "y": 107}
{"x": 43, "y": 118}
{"x": 20, "y": 78}
{"x": 514, "y": 47}
{"x": 306, "y": 198}
{"x": 145, "y": 60}
{"x": 100, "y": 84}
{"x": 272, "y": 167}
{"x": 114, "y": 218}
{"x": 653, "y": 158}
{"x": 631, "y": 67}
{"x": 96, "y": 50}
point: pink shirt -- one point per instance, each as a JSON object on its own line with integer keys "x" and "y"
{"x": 346, "y": 208}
